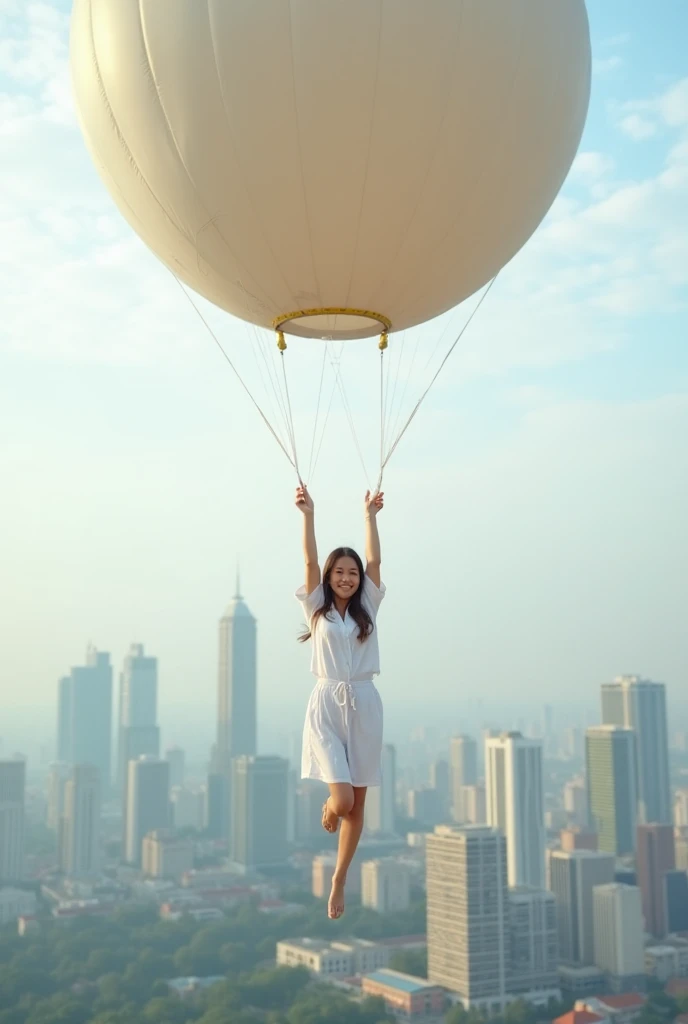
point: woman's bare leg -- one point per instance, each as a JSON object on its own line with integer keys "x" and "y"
{"x": 349, "y": 835}
{"x": 339, "y": 802}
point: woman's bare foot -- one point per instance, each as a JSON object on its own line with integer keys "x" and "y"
{"x": 335, "y": 905}
{"x": 330, "y": 821}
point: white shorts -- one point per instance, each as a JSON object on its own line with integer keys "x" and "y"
{"x": 342, "y": 735}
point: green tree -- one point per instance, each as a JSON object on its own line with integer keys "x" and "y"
{"x": 410, "y": 961}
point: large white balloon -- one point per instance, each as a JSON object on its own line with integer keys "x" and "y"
{"x": 388, "y": 156}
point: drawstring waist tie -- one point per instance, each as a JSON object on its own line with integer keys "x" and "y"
{"x": 345, "y": 692}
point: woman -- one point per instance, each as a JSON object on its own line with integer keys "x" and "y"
{"x": 342, "y": 735}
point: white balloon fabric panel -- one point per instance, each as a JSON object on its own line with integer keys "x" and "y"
{"x": 383, "y": 155}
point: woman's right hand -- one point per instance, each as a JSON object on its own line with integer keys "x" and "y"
{"x": 303, "y": 500}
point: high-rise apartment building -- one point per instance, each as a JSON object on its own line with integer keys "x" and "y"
{"x": 147, "y": 803}
{"x": 385, "y": 885}
{"x": 611, "y": 768}
{"x": 165, "y": 854}
{"x": 572, "y": 878}
{"x": 655, "y": 856}
{"x": 79, "y": 836}
{"x": 618, "y": 936}
{"x": 463, "y": 771}
{"x": 139, "y": 734}
{"x": 12, "y": 804}
{"x": 440, "y": 782}
{"x": 177, "y": 761}
{"x": 58, "y": 774}
{"x": 676, "y": 901}
{"x": 85, "y": 715}
{"x": 681, "y": 848}
{"x": 380, "y": 805}
{"x": 258, "y": 833}
{"x": 468, "y": 914}
{"x": 515, "y": 804}
{"x": 640, "y": 704}
{"x": 681, "y": 808}
{"x": 576, "y": 801}
{"x": 533, "y": 942}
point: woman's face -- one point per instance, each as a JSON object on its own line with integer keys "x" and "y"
{"x": 345, "y": 578}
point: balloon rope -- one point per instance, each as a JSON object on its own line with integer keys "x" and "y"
{"x": 437, "y": 373}
{"x": 325, "y": 422}
{"x": 347, "y": 410}
{"x": 292, "y": 433}
{"x": 317, "y": 411}
{"x": 236, "y": 372}
{"x": 382, "y": 413}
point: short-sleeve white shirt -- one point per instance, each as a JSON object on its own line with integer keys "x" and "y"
{"x": 337, "y": 653}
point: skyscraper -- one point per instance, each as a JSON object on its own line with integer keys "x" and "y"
{"x": 640, "y": 705}
{"x": 147, "y": 803}
{"x": 380, "y": 805}
{"x": 58, "y": 774}
{"x": 385, "y": 885}
{"x": 85, "y": 715}
{"x": 177, "y": 761}
{"x": 79, "y": 846}
{"x": 236, "y": 693}
{"x": 533, "y": 942}
{"x": 655, "y": 857}
{"x": 610, "y": 755}
{"x": 515, "y": 804}
{"x": 468, "y": 913}
{"x": 439, "y": 781}
{"x": 258, "y": 834}
{"x": 676, "y": 901}
{"x": 139, "y": 734}
{"x": 463, "y": 769}
{"x": 12, "y": 801}
{"x": 572, "y": 878}
{"x": 618, "y": 936}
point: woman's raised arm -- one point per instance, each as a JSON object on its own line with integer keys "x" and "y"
{"x": 373, "y": 504}
{"x": 304, "y": 503}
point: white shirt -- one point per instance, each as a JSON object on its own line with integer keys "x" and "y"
{"x": 337, "y": 653}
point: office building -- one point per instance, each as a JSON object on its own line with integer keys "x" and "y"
{"x": 58, "y": 774}
{"x": 654, "y": 858}
{"x": 515, "y": 804}
{"x": 385, "y": 885}
{"x": 165, "y": 854}
{"x": 640, "y": 705}
{"x": 216, "y": 806}
{"x": 440, "y": 782}
{"x": 572, "y": 878}
{"x": 681, "y": 808}
{"x": 380, "y": 805}
{"x": 676, "y": 901}
{"x": 258, "y": 833}
{"x": 474, "y": 804}
{"x": 405, "y": 996}
{"x": 578, "y": 838}
{"x": 681, "y": 848}
{"x": 12, "y": 810}
{"x": 310, "y": 796}
{"x": 177, "y": 761}
{"x": 610, "y": 754}
{"x": 468, "y": 914}
{"x": 618, "y": 936}
{"x": 463, "y": 769}
{"x": 423, "y": 806}
{"x": 237, "y": 694}
{"x": 188, "y": 808}
{"x": 138, "y": 734}
{"x": 576, "y": 802}
{"x": 147, "y": 803}
{"x": 322, "y": 870}
{"x": 85, "y": 715}
{"x": 79, "y": 837}
{"x": 667, "y": 961}
{"x": 533, "y": 942}
{"x": 333, "y": 959}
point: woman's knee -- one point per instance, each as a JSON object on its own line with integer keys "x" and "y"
{"x": 341, "y": 799}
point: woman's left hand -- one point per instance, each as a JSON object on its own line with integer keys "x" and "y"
{"x": 374, "y": 502}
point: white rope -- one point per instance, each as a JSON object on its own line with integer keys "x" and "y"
{"x": 291, "y": 419}
{"x": 212, "y": 334}
{"x": 347, "y": 410}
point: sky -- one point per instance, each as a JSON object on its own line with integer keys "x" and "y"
{"x": 534, "y": 534}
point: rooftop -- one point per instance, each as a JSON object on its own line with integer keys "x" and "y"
{"x": 578, "y": 1017}
{"x": 402, "y": 982}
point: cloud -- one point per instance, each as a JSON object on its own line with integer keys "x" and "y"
{"x": 641, "y": 119}
{"x": 602, "y": 66}
{"x": 637, "y": 128}
{"x": 589, "y": 166}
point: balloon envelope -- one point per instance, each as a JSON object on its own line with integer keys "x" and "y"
{"x": 381, "y": 156}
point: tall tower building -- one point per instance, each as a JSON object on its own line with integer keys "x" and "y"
{"x": 463, "y": 771}
{"x": 12, "y": 803}
{"x": 468, "y": 913}
{"x": 80, "y": 824}
{"x": 385, "y": 885}
{"x": 618, "y": 936}
{"x": 147, "y": 803}
{"x": 610, "y": 756}
{"x": 139, "y": 734}
{"x": 572, "y": 878}
{"x": 640, "y": 705}
{"x": 515, "y": 804}
{"x": 380, "y": 805}
{"x": 236, "y": 693}
{"x": 177, "y": 761}
{"x": 85, "y": 715}
{"x": 58, "y": 774}
{"x": 655, "y": 857}
{"x": 258, "y": 834}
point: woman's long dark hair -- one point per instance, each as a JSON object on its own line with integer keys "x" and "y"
{"x": 354, "y": 607}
